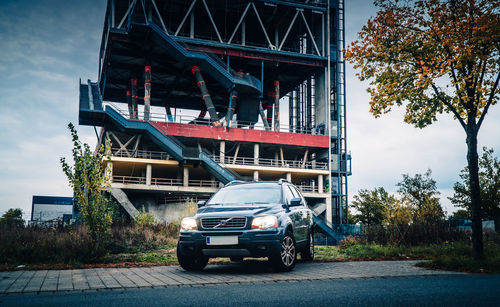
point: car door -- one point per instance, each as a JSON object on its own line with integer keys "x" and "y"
{"x": 295, "y": 213}
{"x": 305, "y": 214}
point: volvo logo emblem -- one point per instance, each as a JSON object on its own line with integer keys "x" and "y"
{"x": 223, "y": 223}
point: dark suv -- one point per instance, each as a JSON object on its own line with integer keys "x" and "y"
{"x": 249, "y": 219}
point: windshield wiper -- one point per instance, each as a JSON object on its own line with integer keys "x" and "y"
{"x": 257, "y": 202}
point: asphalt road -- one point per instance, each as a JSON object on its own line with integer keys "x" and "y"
{"x": 466, "y": 290}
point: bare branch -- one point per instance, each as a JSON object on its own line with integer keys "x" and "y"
{"x": 490, "y": 100}
{"x": 452, "y": 109}
{"x": 450, "y": 57}
{"x": 483, "y": 70}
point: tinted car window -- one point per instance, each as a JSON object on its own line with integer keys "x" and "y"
{"x": 288, "y": 194}
{"x": 299, "y": 195}
{"x": 245, "y": 194}
{"x": 294, "y": 192}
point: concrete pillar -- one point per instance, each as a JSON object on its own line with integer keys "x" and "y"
{"x": 149, "y": 171}
{"x": 233, "y": 100}
{"x": 321, "y": 97}
{"x": 276, "y": 158}
{"x": 129, "y": 102}
{"x": 256, "y": 154}
{"x": 147, "y": 92}
{"x": 320, "y": 183}
{"x": 276, "y": 105}
{"x": 222, "y": 150}
{"x": 185, "y": 178}
{"x": 256, "y": 175}
{"x": 289, "y": 177}
{"x": 133, "y": 89}
{"x": 329, "y": 209}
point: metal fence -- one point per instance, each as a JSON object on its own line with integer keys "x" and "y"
{"x": 270, "y": 162}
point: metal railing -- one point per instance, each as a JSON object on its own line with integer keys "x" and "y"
{"x": 308, "y": 188}
{"x": 129, "y": 180}
{"x": 166, "y": 181}
{"x": 191, "y": 183}
{"x": 194, "y": 120}
{"x": 271, "y": 162}
{"x": 160, "y": 155}
{"x": 143, "y": 154}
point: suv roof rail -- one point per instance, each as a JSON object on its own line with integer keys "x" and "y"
{"x": 282, "y": 180}
{"x": 235, "y": 182}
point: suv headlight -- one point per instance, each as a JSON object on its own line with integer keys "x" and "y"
{"x": 262, "y": 222}
{"x": 189, "y": 223}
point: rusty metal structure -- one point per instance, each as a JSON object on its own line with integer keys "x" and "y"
{"x": 193, "y": 94}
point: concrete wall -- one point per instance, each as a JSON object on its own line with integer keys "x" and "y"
{"x": 173, "y": 212}
{"x": 164, "y": 213}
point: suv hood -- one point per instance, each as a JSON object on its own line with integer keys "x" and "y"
{"x": 238, "y": 210}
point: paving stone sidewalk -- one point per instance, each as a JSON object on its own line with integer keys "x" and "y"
{"x": 168, "y": 276}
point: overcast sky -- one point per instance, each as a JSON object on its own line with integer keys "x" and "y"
{"x": 47, "y": 45}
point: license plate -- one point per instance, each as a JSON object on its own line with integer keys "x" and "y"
{"x": 222, "y": 240}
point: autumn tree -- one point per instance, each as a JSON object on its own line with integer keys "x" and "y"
{"x": 489, "y": 179}
{"x": 434, "y": 57}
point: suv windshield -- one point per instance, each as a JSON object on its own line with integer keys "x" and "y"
{"x": 247, "y": 194}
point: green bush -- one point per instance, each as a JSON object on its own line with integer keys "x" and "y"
{"x": 13, "y": 217}
{"x": 145, "y": 219}
{"x": 348, "y": 242}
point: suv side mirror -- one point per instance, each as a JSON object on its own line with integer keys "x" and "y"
{"x": 201, "y": 203}
{"x": 295, "y": 202}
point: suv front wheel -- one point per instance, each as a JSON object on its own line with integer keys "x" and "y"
{"x": 287, "y": 257}
{"x": 191, "y": 263}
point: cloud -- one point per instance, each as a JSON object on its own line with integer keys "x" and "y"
{"x": 46, "y": 46}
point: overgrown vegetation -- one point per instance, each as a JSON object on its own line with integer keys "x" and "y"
{"x": 88, "y": 179}
{"x": 448, "y": 255}
{"x": 145, "y": 219}
{"x": 75, "y": 246}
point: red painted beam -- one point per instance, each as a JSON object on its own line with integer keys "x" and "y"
{"x": 258, "y": 56}
{"x": 242, "y": 135}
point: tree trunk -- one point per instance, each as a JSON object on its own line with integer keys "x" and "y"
{"x": 473, "y": 164}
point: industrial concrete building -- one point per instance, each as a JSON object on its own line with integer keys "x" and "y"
{"x": 193, "y": 94}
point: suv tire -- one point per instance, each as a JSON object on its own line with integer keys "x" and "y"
{"x": 307, "y": 253}
{"x": 191, "y": 263}
{"x": 285, "y": 260}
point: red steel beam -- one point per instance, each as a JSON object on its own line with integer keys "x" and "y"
{"x": 242, "y": 135}
{"x": 258, "y": 56}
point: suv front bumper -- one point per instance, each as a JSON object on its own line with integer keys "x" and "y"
{"x": 251, "y": 243}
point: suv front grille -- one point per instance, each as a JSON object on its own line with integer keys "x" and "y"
{"x": 223, "y": 222}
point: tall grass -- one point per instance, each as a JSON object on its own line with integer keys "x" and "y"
{"x": 68, "y": 245}
{"x": 414, "y": 234}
